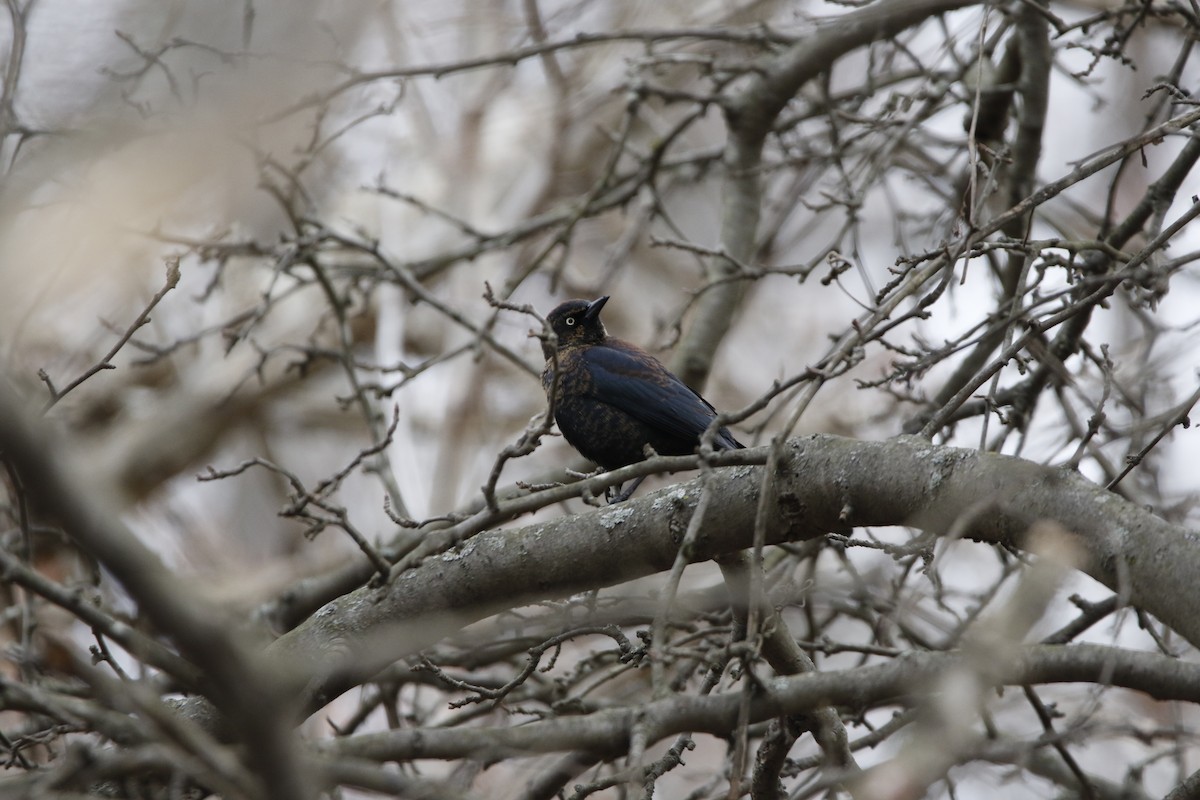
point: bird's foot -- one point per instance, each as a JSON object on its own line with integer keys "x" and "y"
{"x": 619, "y": 494}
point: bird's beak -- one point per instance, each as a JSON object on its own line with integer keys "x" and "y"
{"x": 593, "y": 308}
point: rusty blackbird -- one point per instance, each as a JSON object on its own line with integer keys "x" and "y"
{"x": 614, "y": 398}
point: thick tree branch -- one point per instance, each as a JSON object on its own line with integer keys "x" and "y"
{"x": 900, "y": 681}
{"x": 825, "y": 483}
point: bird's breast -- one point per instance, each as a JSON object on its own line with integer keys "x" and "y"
{"x": 573, "y": 376}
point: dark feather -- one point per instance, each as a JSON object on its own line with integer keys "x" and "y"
{"x": 633, "y": 381}
{"x": 615, "y": 399}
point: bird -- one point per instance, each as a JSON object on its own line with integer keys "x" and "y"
{"x": 612, "y": 399}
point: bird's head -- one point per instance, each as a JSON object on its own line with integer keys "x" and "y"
{"x": 577, "y": 322}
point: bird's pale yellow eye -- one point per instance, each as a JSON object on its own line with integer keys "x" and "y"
{"x": 570, "y": 321}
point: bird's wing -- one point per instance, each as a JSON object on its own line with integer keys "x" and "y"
{"x": 636, "y": 383}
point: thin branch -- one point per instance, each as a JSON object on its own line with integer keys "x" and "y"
{"x": 106, "y": 361}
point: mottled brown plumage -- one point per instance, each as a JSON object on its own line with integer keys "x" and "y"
{"x": 614, "y": 398}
